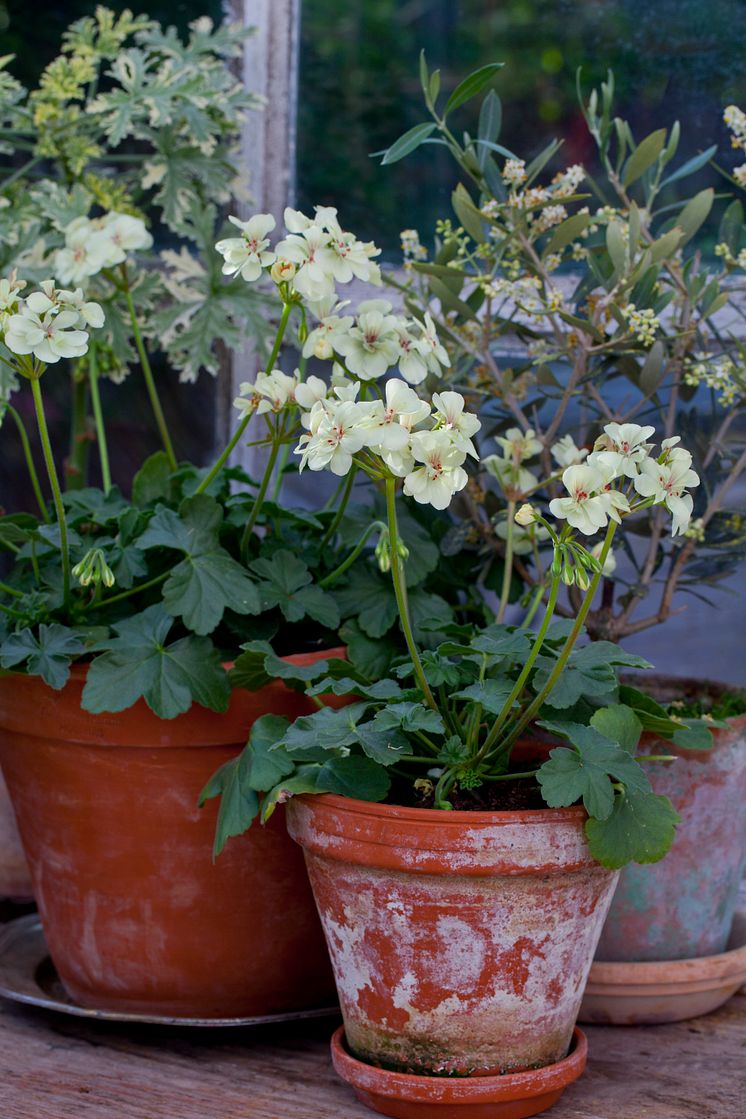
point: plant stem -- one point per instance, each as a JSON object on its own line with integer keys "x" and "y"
{"x": 30, "y": 463}
{"x": 508, "y": 563}
{"x": 77, "y": 462}
{"x": 12, "y": 591}
{"x": 21, "y": 171}
{"x": 535, "y": 603}
{"x": 103, "y": 450}
{"x": 155, "y": 401}
{"x": 133, "y": 590}
{"x": 521, "y": 681}
{"x": 54, "y": 482}
{"x": 348, "y": 562}
{"x": 567, "y": 648}
{"x": 346, "y": 493}
{"x": 509, "y": 776}
{"x": 220, "y": 463}
{"x": 400, "y": 590}
{"x": 249, "y": 527}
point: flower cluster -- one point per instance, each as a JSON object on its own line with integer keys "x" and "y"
{"x": 622, "y": 456}
{"x": 49, "y": 324}
{"x": 735, "y": 119}
{"x": 315, "y": 255}
{"x": 402, "y": 435}
{"x": 717, "y": 373}
{"x": 92, "y": 244}
{"x": 517, "y": 446}
{"x": 642, "y": 323}
{"x": 411, "y": 247}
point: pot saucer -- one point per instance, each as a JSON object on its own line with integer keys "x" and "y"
{"x": 515, "y": 1095}
{"x": 651, "y": 993}
{"x": 27, "y": 975}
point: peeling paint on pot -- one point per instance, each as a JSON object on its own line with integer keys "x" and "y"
{"x": 460, "y": 941}
{"x": 683, "y": 906}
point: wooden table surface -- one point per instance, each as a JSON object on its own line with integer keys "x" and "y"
{"x": 58, "y": 1067}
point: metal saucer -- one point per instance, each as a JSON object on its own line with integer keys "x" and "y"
{"x": 27, "y": 975}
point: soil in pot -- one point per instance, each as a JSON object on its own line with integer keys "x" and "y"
{"x": 461, "y": 941}
{"x": 683, "y": 906}
{"x": 137, "y": 915}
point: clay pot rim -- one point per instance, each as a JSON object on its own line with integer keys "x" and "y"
{"x": 684, "y": 685}
{"x": 457, "y": 816}
{"x": 466, "y": 1090}
{"x": 675, "y": 976}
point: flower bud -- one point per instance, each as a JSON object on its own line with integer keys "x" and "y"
{"x": 282, "y": 271}
{"x": 93, "y": 568}
{"x": 526, "y": 515}
{"x": 383, "y": 552}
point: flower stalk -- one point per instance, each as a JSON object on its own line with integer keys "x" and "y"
{"x": 54, "y": 481}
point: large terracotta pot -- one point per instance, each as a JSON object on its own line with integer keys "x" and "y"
{"x": 137, "y": 915}
{"x": 15, "y": 879}
{"x": 683, "y": 906}
{"x": 460, "y": 941}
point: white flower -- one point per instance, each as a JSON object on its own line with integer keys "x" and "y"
{"x": 122, "y": 235}
{"x": 450, "y": 414}
{"x": 351, "y": 258}
{"x": 412, "y": 360}
{"x": 519, "y": 445}
{"x": 315, "y": 261}
{"x": 85, "y": 252}
{"x": 516, "y": 480}
{"x": 432, "y": 348}
{"x": 588, "y": 507}
{"x": 623, "y": 447}
{"x": 334, "y": 437}
{"x": 248, "y": 254}
{"x": 48, "y": 337}
{"x": 320, "y": 340}
{"x": 565, "y": 453}
{"x": 282, "y": 271}
{"x": 9, "y": 298}
{"x": 310, "y": 392}
{"x": 51, "y": 299}
{"x": 389, "y": 425}
{"x": 440, "y": 475}
{"x": 610, "y": 564}
{"x": 523, "y": 538}
{"x": 667, "y": 485}
{"x": 371, "y": 346}
{"x": 269, "y": 393}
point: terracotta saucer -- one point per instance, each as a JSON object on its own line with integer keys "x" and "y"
{"x": 512, "y": 1096}
{"x": 651, "y": 993}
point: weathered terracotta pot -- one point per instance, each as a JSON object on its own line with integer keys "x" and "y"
{"x": 15, "y": 878}
{"x": 460, "y": 941}
{"x": 683, "y": 906}
{"x": 137, "y": 915}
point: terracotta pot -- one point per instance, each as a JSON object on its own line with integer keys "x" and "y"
{"x": 15, "y": 878}
{"x": 137, "y": 915}
{"x": 683, "y": 906}
{"x": 460, "y": 941}
{"x": 513, "y": 1096}
{"x": 648, "y": 994}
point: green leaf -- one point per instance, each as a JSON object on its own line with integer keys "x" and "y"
{"x": 492, "y": 694}
{"x": 345, "y": 685}
{"x": 313, "y": 736}
{"x": 154, "y": 481}
{"x": 248, "y": 668}
{"x": 371, "y": 599}
{"x": 370, "y": 657}
{"x": 47, "y": 655}
{"x": 285, "y": 583}
{"x": 384, "y": 746}
{"x": 239, "y": 804}
{"x": 472, "y": 221}
{"x": 472, "y": 85}
{"x": 305, "y": 781}
{"x": 568, "y": 230}
{"x": 695, "y": 213}
{"x": 731, "y": 226}
{"x": 352, "y": 776}
{"x": 616, "y": 243}
{"x": 407, "y": 143}
{"x": 653, "y": 372}
{"x": 266, "y": 764}
{"x": 696, "y": 163}
{"x": 490, "y": 122}
{"x": 644, "y": 155}
{"x": 139, "y": 664}
{"x": 640, "y": 828}
{"x": 587, "y": 772}
{"x": 501, "y": 641}
{"x": 619, "y": 723}
{"x": 409, "y": 717}
{"x": 695, "y": 735}
{"x": 208, "y": 581}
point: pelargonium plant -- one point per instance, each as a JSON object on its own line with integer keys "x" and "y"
{"x": 442, "y": 726}
{"x": 155, "y": 594}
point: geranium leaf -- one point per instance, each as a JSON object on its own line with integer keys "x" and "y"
{"x": 640, "y": 828}
{"x": 139, "y": 664}
{"x": 383, "y": 746}
{"x": 239, "y": 804}
{"x": 353, "y": 776}
{"x": 619, "y": 723}
{"x": 284, "y": 583}
{"x": 491, "y": 694}
{"x": 48, "y": 655}
{"x": 313, "y": 736}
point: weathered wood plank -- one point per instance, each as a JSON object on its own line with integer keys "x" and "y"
{"x": 52, "y": 1067}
